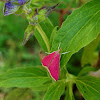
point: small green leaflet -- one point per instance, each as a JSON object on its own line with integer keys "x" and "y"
{"x": 53, "y": 34}
{"x": 88, "y": 56}
{"x": 86, "y": 70}
{"x": 55, "y": 91}
{"x": 28, "y": 33}
{"x": 89, "y": 87}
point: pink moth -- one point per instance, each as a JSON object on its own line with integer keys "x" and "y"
{"x": 51, "y": 63}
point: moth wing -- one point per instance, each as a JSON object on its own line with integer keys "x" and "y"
{"x": 48, "y": 59}
{"x": 54, "y": 67}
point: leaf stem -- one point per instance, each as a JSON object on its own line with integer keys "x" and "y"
{"x": 69, "y": 84}
{"x": 26, "y": 9}
{"x": 45, "y": 38}
{"x": 70, "y": 87}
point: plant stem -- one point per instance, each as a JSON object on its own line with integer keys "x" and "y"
{"x": 69, "y": 91}
{"x": 26, "y": 9}
{"x": 69, "y": 84}
{"x": 45, "y": 38}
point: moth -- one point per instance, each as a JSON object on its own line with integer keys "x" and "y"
{"x": 52, "y": 63}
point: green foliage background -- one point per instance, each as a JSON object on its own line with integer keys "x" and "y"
{"x": 14, "y": 55}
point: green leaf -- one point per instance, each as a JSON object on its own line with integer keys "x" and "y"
{"x": 88, "y": 56}
{"x": 19, "y": 94}
{"x": 86, "y": 70}
{"x": 43, "y": 34}
{"x": 53, "y": 34}
{"x": 28, "y": 33}
{"x": 24, "y": 77}
{"x": 78, "y": 30}
{"x": 55, "y": 91}
{"x": 43, "y": 87}
{"x": 54, "y": 18}
{"x": 89, "y": 87}
{"x": 62, "y": 73}
{"x": 47, "y": 27}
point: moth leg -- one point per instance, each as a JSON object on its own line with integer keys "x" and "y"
{"x": 66, "y": 52}
{"x": 59, "y": 46}
{"x": 48, "y": 53}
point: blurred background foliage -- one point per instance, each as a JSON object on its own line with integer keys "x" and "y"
{"x": 13, "y": 54}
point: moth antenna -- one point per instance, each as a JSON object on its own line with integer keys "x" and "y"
{"x": 47, "y": 53}
{"x": 59, "y": 46}
{"x": 66, "y": 52}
